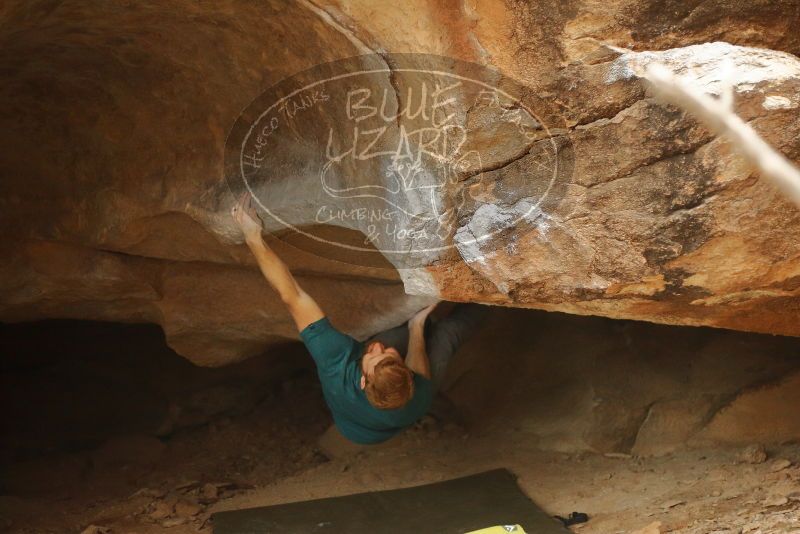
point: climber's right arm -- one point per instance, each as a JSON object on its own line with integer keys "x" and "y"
{"x": 417, "y": 357}
{"x": 303, "y": 309}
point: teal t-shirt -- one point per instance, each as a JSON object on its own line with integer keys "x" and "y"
{"x": 338, "y": 359}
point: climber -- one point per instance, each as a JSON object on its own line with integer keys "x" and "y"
{"x": 373, "y": 392}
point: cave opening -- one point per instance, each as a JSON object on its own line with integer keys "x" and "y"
{"x": 97, "y": 397}
{"x": 109, "y": 424}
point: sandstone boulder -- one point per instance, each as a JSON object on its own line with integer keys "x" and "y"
{"x": 114, "y": 202}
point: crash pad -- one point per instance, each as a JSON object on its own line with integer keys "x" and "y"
{"x": 491, "y": 500}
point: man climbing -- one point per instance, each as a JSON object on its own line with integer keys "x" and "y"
{"x": 372, "y": 390}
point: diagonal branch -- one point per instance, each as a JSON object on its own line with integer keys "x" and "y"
{"x": 718, "y": 115}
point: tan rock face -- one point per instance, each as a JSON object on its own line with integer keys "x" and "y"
{"x": 114, "y": 205}
{"x": 581, "y": 383}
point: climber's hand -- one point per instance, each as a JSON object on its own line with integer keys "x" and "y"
{"x": 244, "y": 213}
{"x": 419, "y": 318}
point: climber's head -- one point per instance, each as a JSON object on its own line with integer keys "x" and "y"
{"x": 385, "y": 379}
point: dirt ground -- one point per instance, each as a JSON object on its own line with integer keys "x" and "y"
{"x": 144, "y": 485}
{"x": 107, "y": 431}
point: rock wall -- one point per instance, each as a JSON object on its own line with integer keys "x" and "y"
{"x": 547, "y": 380}
{"x": 572, "y": 383}
{"x": 114, "y": 206}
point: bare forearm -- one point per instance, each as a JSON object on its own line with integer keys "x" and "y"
{"x": 301, "y": 306}
{"x": 417, "y": 358}
{"x": 275, "y": 271}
